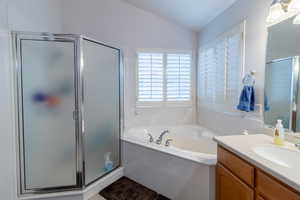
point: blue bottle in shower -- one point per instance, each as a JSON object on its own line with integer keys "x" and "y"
{"x": 108, "y": 164}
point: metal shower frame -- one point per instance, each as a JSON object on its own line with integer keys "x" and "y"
{"x": 77, "y": 40}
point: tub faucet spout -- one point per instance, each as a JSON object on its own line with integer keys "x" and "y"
{"x": 160, "y": 138}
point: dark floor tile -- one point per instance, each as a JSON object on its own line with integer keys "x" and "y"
{"x": 127, "y": 189}
{"x": 160, "y": 197}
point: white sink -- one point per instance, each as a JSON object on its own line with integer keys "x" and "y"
{"x": 278, "y": 155}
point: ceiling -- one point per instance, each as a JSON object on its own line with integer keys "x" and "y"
{"x": 194, "y": 14}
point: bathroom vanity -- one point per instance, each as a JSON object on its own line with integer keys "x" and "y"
{"x": 251, "y": 168}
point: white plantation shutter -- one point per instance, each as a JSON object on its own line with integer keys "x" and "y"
{"x": 234, "y": 55}
{"x": 211, "y": 74}
{"x": 164, "y": 78}
{"x": 206, "y": 76}
{"x": 150, "y": 77}
{"x": 219, "y": 77}
{"x": 220, "y": 71}
{"x": 178, "y": 77}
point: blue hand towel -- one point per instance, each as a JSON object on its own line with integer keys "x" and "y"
{"x": 247, "y": 99}
{"x": 266, "y": 103}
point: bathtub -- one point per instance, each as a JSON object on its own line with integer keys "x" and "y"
{"x": 189, "y": 142}
{"x": 183, "y": 170}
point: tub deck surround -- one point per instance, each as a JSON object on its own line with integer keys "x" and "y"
{"x": 243, "y": 146}
{"x": 188, "y": 142}
{"x": 185, "y": 170}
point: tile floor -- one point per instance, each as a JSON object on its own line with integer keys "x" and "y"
{"x": 127, "y": 189}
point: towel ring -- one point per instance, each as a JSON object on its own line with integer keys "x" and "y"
{"x": 252, "y": 72}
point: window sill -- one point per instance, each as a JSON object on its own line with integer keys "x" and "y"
{"x": 254, "y": 116}
{"x": 165, "y": 105}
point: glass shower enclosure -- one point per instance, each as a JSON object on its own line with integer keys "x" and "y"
{"x": 68, "y": 110}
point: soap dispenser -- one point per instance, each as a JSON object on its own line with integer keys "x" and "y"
{"x": 108, "y": 162}
{"x": 279, "y": 133}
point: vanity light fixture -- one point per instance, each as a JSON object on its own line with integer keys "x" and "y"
{"x": 296, "y": 20}
{"x": 276, "y": 11}
{"x": 283, "y": 9}
{"x": 294, "y": 5}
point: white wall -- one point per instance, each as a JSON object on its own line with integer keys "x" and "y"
{"x": 6, "y": 139}
{"x": 7, "y": 153}
{"x": 125, "y": 26}
{"x": 283, "y": 48}
{"x": 32, "y": 15}
{"x": 35, "y": 15}
{"x": 255, "y": 13}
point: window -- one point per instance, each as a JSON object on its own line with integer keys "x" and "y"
{"x": 163, "y": 78}
{"x": 220, "y": 71}
{"x": 150, "y": 67}
{"x": 178, "y": 77}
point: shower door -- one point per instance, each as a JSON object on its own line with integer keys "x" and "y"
{"x": 68, "y": 111}
{"x": 101, "y": 110}
{"x": 47, "y": 102}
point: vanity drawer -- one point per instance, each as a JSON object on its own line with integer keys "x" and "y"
{"x": 271, "y": 189}
{"x": 237, "y": 166}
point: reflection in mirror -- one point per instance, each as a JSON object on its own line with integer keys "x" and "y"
{"x": 278, "y": 91}
{"x": 281, "y": 75}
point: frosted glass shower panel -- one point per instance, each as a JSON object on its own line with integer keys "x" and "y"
{"x": 48, "y": 99}
{"x": 101, "y": 109}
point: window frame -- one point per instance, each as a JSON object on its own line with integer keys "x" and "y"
{"x": 164, "y": 102}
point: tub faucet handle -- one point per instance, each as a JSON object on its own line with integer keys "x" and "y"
{"x": 150, "y": 138}
{"x": 168, "y": 142}
{"x": 160, "y": 138}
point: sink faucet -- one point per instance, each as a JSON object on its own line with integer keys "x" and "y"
{"x": 160, "y": 138}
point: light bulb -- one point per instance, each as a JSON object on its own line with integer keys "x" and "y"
{"x": 297, "y": 20}
{"x": 275, "y": 13}
{"x": 294, "y": 5}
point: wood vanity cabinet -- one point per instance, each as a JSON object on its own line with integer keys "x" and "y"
{"x": 239, "y": 180}
{"x": 231, "y": 187}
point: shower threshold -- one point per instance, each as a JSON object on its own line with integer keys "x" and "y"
{"x": 88, "y": 193}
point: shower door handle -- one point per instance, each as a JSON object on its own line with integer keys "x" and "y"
{"x": 82, "y": 90}
{"x": 75, "y": 115}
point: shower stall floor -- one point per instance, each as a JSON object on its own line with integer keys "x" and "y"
{"x": 127, "y": 189}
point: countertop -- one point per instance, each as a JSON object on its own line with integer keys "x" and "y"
{"x": 242, "y": 145}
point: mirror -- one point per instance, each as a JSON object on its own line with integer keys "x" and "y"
{"x": 282, "y": 75}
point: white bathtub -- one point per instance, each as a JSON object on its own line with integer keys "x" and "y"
{"x": 189, "y": 142}
{"x": 184, "y": 170}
